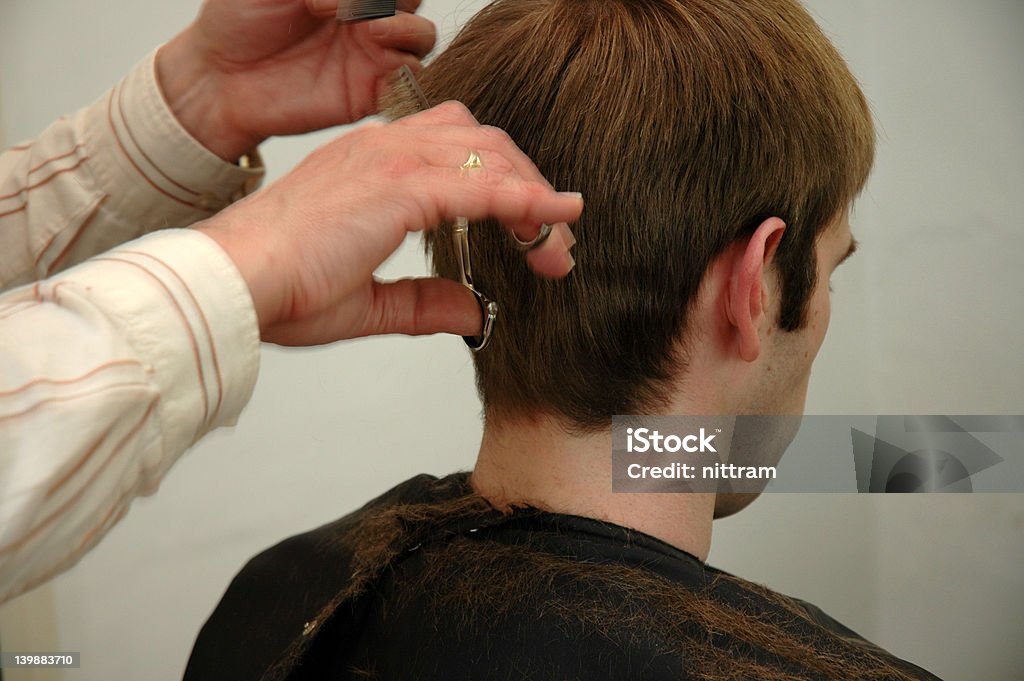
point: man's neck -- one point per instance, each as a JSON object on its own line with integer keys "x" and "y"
{"x": 539, "y": 464}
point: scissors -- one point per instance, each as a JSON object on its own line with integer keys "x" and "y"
{"x": 460, "y": 234}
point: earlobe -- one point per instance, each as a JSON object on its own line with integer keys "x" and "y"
{"x": 748, "y": 286}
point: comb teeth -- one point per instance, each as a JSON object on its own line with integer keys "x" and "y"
{"x": 408, "y": 81}
{"x": 364, "y": 10}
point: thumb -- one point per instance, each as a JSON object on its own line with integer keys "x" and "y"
{"x": 418, "y": 307}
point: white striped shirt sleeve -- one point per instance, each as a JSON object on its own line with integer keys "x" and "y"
{"x": 111, "y": 369}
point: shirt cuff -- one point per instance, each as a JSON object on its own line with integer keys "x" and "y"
{"x": 149, "y": 164}
{"x": 187, "y": 313}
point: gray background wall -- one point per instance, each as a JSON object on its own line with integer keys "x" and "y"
{"x": 927, "y": 319}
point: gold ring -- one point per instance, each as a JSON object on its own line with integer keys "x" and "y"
{"x": 473, "y": 162}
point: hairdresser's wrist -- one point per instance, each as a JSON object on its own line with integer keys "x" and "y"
{"x": 193, "y": 94}
{"x": 257, "y": 263}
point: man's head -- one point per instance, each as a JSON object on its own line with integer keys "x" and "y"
{"x": 703, "y": 134}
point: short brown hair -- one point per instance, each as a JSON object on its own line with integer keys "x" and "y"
{"x": 685, "y": 124}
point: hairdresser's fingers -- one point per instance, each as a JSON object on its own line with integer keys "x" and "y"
{"x": 513, "y": 154}
{"x": 323, "y": 8}
{"x": 497, "y": 152}
{"x": 417, "y": 307}
{"x": 408, "y": 5}
{"x": 413, "y": 307}
{"x": 451, "y": 144}
{"x": 552, "y": 263}
{"x": 553, "y": 258}
{"x": 499, "y": 155}
{"x": 406, "y": 32}
{"x": 505, "y": 197}
{"x": 448, "y": 155}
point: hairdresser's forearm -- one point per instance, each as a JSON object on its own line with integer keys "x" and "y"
{"x": 107, "y": 174}
{"x": 108, "y": 372}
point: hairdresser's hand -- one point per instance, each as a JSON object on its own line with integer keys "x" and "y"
{"x": 308, "y": 244}
{"x": 249, "y": 69}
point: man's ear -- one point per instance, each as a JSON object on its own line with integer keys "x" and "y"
{"x": 748, "y": 292}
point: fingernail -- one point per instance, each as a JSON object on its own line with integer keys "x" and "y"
{"x": 572, "y": 262}
{"x": 323, "y": 5}
{"x": 572, "y": 195}
{"x": 572, "y": 237}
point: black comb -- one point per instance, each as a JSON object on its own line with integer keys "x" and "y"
{"x": 364, "y": 10}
